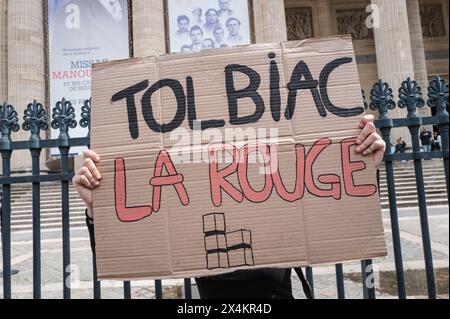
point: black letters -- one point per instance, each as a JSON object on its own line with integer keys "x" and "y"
{"x": 128, "y": 94}
{"x": 275, "y": 98}
{"x": 301, "y": 79}
{"x": 296, "y": 83}
{"x": 147, "y": 110}
{"x": 250, "y": 91}
{"x": 323, "y": 82}
{"x": 192, "y": 114}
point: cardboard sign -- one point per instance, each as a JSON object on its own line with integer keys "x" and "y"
{"x": 232, "y": 159}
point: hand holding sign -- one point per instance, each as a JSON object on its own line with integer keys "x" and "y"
{"x": 87, "y": 178}
{"x": 369, "y": 140}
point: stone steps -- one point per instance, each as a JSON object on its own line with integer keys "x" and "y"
{"x": 405, "y": 184}
{"x": 414, "y": 203}
{"x": 44, "y": 212}
{"x": 28, "y": 227}
{"x": 45, "y": 204}
{"x": 50, "y": 207}
{"x": 50, "y": 220}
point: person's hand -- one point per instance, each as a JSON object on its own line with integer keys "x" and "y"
{"x": 369, "y": 141}
{"x": 87, "y": 178}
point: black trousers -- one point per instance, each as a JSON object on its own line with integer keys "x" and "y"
{"x": 247, "y": 284}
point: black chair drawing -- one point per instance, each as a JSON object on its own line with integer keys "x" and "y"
{"x": 226, "y": 249}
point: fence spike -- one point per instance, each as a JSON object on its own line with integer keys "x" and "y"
{"x": 382, "y": 99}
{"x": 438, "y": 95}
{"x": 8, "y": 120}
{"x": 63, "y": 115}
{"x": 35, "y": 119}
{"x": 8, "y": 123}
{"x": 410, "y": 96}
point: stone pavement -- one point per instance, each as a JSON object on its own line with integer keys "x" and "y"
{"x": 324, "y": 276}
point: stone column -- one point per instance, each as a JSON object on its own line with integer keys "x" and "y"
{"x": 148, "y": 28}
{"x": 325, "y": 19}
{"x": 3, "y": 56}
{"x": 418, "y": 50}
{"x": 394, "y": 54}
{"x": 3, "y": 53}
{"x": 26, "y": 67}
{"x": 270, "y": 21}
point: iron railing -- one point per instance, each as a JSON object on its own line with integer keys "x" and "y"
{"x": 63, "y": 119}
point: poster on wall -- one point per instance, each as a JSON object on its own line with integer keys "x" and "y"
{"x": 204, "y": 24}
{"x": 82, "y": 32}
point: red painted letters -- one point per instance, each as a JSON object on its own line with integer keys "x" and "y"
{"x": 304, "y": 179}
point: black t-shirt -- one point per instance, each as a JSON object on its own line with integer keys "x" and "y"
{"x": 425, "y": 138}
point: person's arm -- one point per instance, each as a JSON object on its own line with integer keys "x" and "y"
{"x": 90, "y": 227}
{"x": 86, "y": 179}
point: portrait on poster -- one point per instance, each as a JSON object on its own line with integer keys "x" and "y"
{"x": 205, "y": 24}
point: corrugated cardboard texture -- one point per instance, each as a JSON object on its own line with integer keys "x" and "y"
{"x": 263, "y": 229}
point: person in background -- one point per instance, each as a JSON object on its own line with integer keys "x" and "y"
{"x": 426, "y": 138}
{"x": 212, "y": 21}
{"x": 224, "y": 9}
{"x": 391, "y": 148}
{"x": 400, "y": 146}
{"x": 197, "y": 16}
{"x": 208, "y": 44}
{"x": 233, "y": 26}
{"x": 219, "y": 35}
{"x": 271, "y": 283}
{"x": 196, "y": 38}
{"x": 182, "y": 33}
{"x": 437, "y": 141}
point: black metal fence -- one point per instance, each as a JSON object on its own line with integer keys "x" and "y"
{"x": 35, "y": 120}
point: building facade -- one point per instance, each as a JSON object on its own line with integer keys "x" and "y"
{"x": 393, "y": 39}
